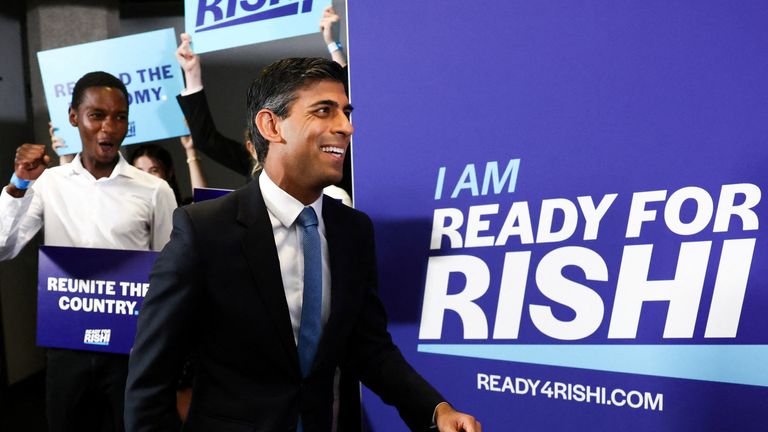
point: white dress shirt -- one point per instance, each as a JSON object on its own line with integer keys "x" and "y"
{"x": 130, "y": 209}
{"x": 283, "y": 211}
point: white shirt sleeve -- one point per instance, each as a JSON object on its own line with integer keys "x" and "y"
{"x": 20, "y": 219}
{"x": 162, "y": 216}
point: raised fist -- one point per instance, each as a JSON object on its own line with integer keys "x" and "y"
{"x": 31, "y": 161}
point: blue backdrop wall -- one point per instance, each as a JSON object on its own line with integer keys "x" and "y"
{"x": 568, "y": 204}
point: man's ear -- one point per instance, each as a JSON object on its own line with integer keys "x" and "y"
{"x": 267, "y": 124}
{"x": 72, "y": 117}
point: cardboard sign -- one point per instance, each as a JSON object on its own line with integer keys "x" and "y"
{"x": 89, "y": 299}
{"x": 220, "y": 24}
{"x": 205, "y": 194}
{"x": 144, "y": 62}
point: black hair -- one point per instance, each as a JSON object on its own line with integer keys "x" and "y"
{"x": 276, "y": 86}
{"x": 96, "y": 79}
{"x": 163, "y": 156}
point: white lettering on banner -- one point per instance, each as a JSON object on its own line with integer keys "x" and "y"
{"x": 726, "y": 209}
{"x": 447, "y": 222}
{"x": 511, "y": 294}
{"x": 593, "y": 215}
{"x": 686, "y": 211}
{"x": 97, "y": 305}
{"x": 730, "y": 288}
{"x": 437, "y": 300}
{"x": 517, "y": 223}
{"x": 683, "y": 293}
{"x": 97, "y": 336}
{"x": 584, "y": 301}
{"x": 584, "y": 393}
{"x": 506, "y": 384}
{"x": 134, "y": 289}
{"x": 475, "y": 225}
{"x": 81, "y": 286}
{"x": 96, "y": 286}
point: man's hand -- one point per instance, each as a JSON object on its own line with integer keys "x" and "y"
{"x": 31, "y": 161}
{"x": 330, "y": 17}
{"x": 189, "y": 62}
{"x": 448, "y": 419}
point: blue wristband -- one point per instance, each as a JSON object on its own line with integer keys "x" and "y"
{"x": 334, "y": 46}
{"x": 20, "y": 183}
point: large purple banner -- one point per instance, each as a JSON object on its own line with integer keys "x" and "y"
{"x": 89, "y": 299}
{"x": 568, "y": 198}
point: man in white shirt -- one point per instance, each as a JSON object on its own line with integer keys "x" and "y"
{"x": 96, "y": 201}
{"x": 274, "y": 285}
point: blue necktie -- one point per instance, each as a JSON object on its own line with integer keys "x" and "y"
{"x": 310, "y": 327}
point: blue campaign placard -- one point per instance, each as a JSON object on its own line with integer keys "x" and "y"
{"x": 216, "y": 25}
{"x": 205, "y": 194}
{"x": 569, "y": 208}
{"x": 146, "y": 64}
{"x": 89, "y": 299}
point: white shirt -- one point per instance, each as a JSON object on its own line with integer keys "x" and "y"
{"x": 130, "y": 209}
{"x": 338, "y": 194}
{"x": 283, "y": 211}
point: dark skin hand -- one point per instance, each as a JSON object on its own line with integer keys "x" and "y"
{"x": 29, "y": 164}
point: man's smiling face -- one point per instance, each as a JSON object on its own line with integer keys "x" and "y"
{"x": 316, "y": 134}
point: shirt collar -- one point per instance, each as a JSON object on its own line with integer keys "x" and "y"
{"x": 122, "y": 168}
{"x": 282, "y": 205}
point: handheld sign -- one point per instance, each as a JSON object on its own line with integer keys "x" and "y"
{"x": 205, "y": 194}
{"x": 89, "y": 299}
{"x": 216, "y": 25}
{"x": 147, "y": 66}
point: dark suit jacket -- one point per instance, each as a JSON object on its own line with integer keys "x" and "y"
{"x": 217, "y": 285}
{"x": 226, "y": 151}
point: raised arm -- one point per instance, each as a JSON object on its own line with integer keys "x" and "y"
{"x": 329, "y": 27}
{"x": 21, "y": 209}
{"x": 226, "y": 151}
{"x": 190, "y": 65}
{"x": 196, "y": 177}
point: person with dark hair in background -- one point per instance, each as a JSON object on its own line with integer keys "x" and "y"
{"x": 275, "y": 285}
{"x": 96, "y": 201}
{"x": 156, "y": 160}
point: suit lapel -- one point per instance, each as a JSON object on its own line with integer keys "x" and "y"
{"x": 261, "y": 254}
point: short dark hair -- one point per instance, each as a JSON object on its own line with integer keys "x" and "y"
{"x": 276, "y": 86}
{"x": 95, "y": 79}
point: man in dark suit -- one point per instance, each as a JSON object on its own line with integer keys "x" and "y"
{"x": 275, "y": 286}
